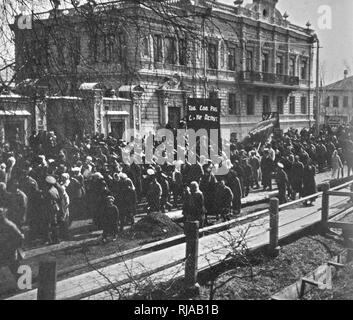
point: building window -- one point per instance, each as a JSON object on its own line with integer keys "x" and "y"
{"x": 327, "y": 102}
{"x": 213, "y": 95}
{"x": 292, "y": 66}
{"x": 94, "y": 47}
{"x": 292, "y": 105}
{"x": 303, "y": 69}
{"x": 280, "y": 104}
{"x": 249, "y": 60}
{"x": 109, "y": 47}
{"x": 233, "y": 105}
{"x": 250, "y": 105}
{"x": 183, "y": 52}
{"x": 279, "y": 65}
{"x": 303, "y": 105}
{"x": 170, "y": 50}
{"x": 145, "y": 47}
{"x": 212, "y": 56}
{"x": 266, "y": 104}
{"x": 336, "y": 102}
{"x": 222, "y": 55}
{"x": 345, "y": 102}
{"x": 61, "y": 49}
{"x": 265, "y": 62}
{"x": 158, "y": 48}
{"x": 231, "y": 59}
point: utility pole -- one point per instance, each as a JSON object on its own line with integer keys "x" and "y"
{"x": 207, "y": 14}
{"x": 318, "y": 106}
{"x": 204, "y": 57}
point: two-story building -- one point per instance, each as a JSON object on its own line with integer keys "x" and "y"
{"x": 337, "y": 102}
{"x": 251, "y": 57}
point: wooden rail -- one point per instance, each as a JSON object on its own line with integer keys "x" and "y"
{"x": 213, "y": 250}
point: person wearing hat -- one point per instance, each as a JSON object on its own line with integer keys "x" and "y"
{"x": 208, "y": 186}
{"x": 64, "y": 218}
{"x": 176, "y": 183}
{"x": 266, "y": 165}
{"x": 76, "y": 191}
{"x": 52, "y": 205}
{"x": 126, "y": 200}
{"x": 309, "y": 183}
{"x": 17, "y": 204}
{"x": 254, "y": 162}
{"x": 164, "y": 183}
{"x": 296, "y": 177}
{"x": 153, "y": 195}
{"x": 136, "y": 177}
{"x": 233, "y": 182}
{"x": 194, "y": 204}
{"x": 109, "y": 219}
{"x": 282, "y": 183}
{"x": 223, "y": 200}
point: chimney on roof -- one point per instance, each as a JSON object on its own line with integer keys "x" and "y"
{"x": 345, "y": 73}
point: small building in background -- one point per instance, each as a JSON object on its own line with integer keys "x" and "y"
{"x": 337, "y": 102}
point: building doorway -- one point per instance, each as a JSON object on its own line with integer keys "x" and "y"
{"x": 117, "y": 129}
{"x": 174, "y": 117}
{"x": 14, "y": 131}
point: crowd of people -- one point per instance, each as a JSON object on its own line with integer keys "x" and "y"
{"x": 51, "y": 182}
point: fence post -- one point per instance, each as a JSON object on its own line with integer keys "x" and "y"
{"x": 47, "y": 280}
{"x": 325, "y": 206}
{"x": 274, "y": 248}
{"x": 191, "y": 230}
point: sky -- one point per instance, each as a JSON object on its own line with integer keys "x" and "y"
{"x": 337, "y": 42}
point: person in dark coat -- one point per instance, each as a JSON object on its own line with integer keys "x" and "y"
{"x": 296, "y": 177}
{"x": 194, "y": 204}
{"x": 266, "y": 169}
{"x": 241, "y": 175}
{"x": 223, "y": 200}
{"x": 136, "y": 177}
{"x": 154, "y": 193}
{"x": 110, "y": 219}
{"x": 126, "y": 201}
{"x": 309, "y": 183}
{"x": 76, "y": 191}
{"x": 164, "y": 183}
{"x": 321, "y": 156}
{"x": 52, "y": 205}
{"x": 282, "y": 183}
{"x": 255, "y": 166}
{"x": 195, "y": 173}
{"x": 35, "y": 213}
{"x": 233, "y": 183}
{"x": 208, "y": 186}
{"x": 176, "y": 185}
{"x": 17, "y": 204}
{"x": 248, "y": 177}
{"x": 11, "y": 239}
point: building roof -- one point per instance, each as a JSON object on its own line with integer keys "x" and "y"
{"x": 342, "y": 85}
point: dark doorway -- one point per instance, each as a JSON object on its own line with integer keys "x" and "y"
{"x": 14, "y": 131}
{"x": 117, "y": 129}
{"x": 174, "y": 116}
